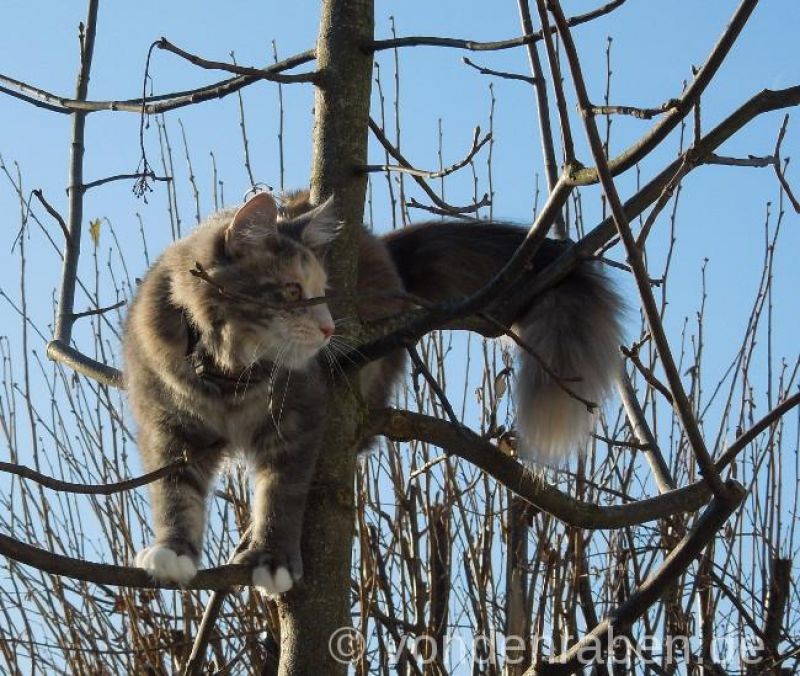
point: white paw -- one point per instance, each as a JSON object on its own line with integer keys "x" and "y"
{"x": 166, "y": 565}
{"x": 269, "y": 583}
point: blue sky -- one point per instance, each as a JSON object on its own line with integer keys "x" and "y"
{"x": 721, "y": 211}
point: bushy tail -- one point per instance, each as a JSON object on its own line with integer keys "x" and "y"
{"x": 573, "y": 329}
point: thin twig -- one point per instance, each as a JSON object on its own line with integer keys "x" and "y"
{"x": 499, "y": 73}
{"x": 150, "y": 176}
{"x": 745, "y": 438}
{"x": 99, "y": 310}
{"x": 438, "y": 201}
{"x": 66, "y": 297}
{"x": 476, "y": 46}
{"x": 194, "y": 663}
{"x": 680, "y": 400}
{"x": 558, "y": 86}
{"x": 456, "y": 212}
{"x": 647, "y": 373}
{"x": 200, "y": 272}
{"x": 421, "y": 368}
{"x": 750, "y": 161}
{"x": 663, "y": 199}
{"x": 641, "y": 113}
{"x": 92, "y": 489}
{"x": 257, "y": 73}
{"x": 779, "y": 171}
{"x": 159, "y": 103}
{"x": 50, "y": 210}
{"x": 477, "y": 144}
{"x": 560, "y": 380}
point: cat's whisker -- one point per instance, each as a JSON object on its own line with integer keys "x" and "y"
{"x": 342, "y": 348}
{"x": 277, "y": 367}
{"x": 329, "y": 361}
{"x": 334, "y": 366}
{"x": 345, "y": 321}
{"x": 248, "y": 370}
{"x": 285, "y": 388}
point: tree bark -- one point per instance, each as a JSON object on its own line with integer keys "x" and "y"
{"x": 312, "y": 612}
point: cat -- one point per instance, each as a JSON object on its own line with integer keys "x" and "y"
{"x": 219, "y": 364}
{"x": 228, "y": 360}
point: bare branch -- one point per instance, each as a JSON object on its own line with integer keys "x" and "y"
{"x": 641, "y": 430}
{"x": 763, "y": 102}
{"x": 421, "y": 368}
{"x": 476, "y": 46}
{"x": 779, "y": 170}
{"x": 394, "y": 152}
{"x": 558, "y": 86}
{"x": 682, "y": 105}
{"x": 661, "y": 203}
{"x": 50, "y": 210}
{"x": 477, "y": 144}
{"x": 543, "y": 115}
{"x": 86, "y": 366}
{"x": 72, "y": 248}
{"x": 89, "y": 489}
{"x": 194, "y": 664}
{"x": 150, "y": 176}
{"x": 159, "y": 103}
{"x": 647, "y": 373}
{"x": 222, "y": 577}
{"x": 256, "y": 73}
{"x": 499, "y": 73}
{"x": 641, "y": 113}
{"x": 677, "y": 561}
{"x": 464, "y": 443}
{"x": 99, "y": 310}
{"x": 680, "y": 400}
{"x": 750, "y": 161}
{"x": 453, "y": 212}
{"x": 747, "y": 437}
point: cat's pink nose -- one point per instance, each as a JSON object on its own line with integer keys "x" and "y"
{"x": 327, "y": 330}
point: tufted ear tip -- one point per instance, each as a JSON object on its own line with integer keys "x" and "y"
{"x": 323, "y": 225}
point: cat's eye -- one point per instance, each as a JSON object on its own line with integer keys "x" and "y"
{"x": 292, "y": 292}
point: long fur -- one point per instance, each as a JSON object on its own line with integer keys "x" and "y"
{"x": 573, "y": 329}
{"x": 202, "y": 368}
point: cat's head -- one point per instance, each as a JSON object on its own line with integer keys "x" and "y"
{"x": 267, "y": 262}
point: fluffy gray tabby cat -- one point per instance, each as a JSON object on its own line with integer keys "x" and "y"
{"x": 213, "y": 372}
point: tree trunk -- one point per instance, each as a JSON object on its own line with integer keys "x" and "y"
{"x": 312, "y": 613}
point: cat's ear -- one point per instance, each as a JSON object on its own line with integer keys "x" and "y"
{"x": 322, "y": 226}
{"x": 252, "y": 223}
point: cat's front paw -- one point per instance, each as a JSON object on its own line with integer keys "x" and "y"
{"x": 272, "y": 574}
{"x": 167, "y": 565}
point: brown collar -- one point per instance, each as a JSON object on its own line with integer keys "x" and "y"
{"x": 207, "y": 370}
